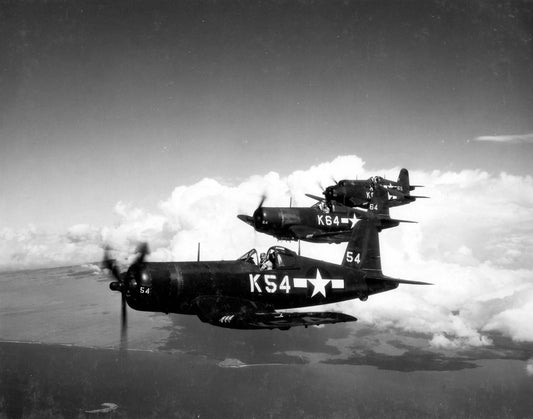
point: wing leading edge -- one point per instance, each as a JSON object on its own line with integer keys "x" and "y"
{"x": 240, "y": 313}
{"x": 279, "y": 320}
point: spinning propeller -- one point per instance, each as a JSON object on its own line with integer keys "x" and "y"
{"x": 257, "y": 218}
{"x": 123, "y": 284}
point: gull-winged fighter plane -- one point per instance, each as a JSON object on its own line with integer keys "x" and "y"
{"x": 324, "y": 222}
{"x": 241, "y": 295}
{"x": 359, "y": 193}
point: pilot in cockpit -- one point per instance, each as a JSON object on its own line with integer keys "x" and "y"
{"x": 323, "y": 206}
{"x": 267, "y": 262}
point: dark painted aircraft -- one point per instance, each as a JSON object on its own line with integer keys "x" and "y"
{"x": 320, "y": 223}
{"x": 359, "y": 193}
{"x": 242, "y": 294}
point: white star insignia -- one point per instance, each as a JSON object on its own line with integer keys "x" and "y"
{"x": 319, "y": 284}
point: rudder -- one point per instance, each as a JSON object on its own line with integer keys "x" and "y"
{"x": 362, "y": 251}
{"x": 403, "y": 182}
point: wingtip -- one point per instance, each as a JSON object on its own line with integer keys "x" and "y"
{"x": 246, "y": 218}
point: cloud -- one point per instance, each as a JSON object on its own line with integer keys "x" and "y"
{"x": 82, "y": 233}
{"x": 473, "y": 241}
{"x": 529, "y": 367}
{"x": 512, "y": 139}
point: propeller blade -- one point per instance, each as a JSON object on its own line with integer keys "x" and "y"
{"x": 263, "y": 197}
{"x": 124, "y": 321}
{"x": 142, "y": 250}
{"x": 317, "y": 198}
{"x": 246, "y": 218}
{"x": 110, "y": 264}
{"x": 119, "y": 285}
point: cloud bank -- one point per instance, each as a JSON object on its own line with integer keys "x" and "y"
{"x": 474, "y": 242}
{"x": 513, "y": 138}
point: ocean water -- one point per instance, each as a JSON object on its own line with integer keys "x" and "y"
{"x": 60, "y": 356}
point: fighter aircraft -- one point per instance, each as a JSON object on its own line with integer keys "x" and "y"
{"x": 324, "y": 222}
{"x": 242, "y": 294}
{"x": 359, "y": 193}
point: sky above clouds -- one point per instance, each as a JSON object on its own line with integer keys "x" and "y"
{"x": 124, "y": 121}
{"x": 122, "y": 101}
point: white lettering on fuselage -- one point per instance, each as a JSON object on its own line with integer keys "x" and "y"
{"x": 329, "y": 220}
{"x": 253, "y": 283}
{"x": 272, "y": 284}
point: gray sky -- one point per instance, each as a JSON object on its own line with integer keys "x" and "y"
{"x": 128, "y": 121}
{"x": 123, "y": 101}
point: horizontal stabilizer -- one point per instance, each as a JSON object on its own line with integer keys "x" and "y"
{"x": 395, "y": 220}
{"x": 404, "y": 281}
{"x": 368, "y": 215}
{"x": 246, "y": 218}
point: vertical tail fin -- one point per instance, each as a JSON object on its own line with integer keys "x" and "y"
{"x": 379, "y": 202}
{"x": 379, "y": 209}
{"x": 362, "y": 251}
{"x": 403, "y": 182}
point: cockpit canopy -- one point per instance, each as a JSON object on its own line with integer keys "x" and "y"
{"x": 250, "y": 257}
{"x": 281, "y": 257}
{"x": 321, "y": 206}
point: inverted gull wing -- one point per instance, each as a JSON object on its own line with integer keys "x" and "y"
{"x": 240, "y": 313}
{"x": 280, "y": 320}
{"x": 304, "y": 232}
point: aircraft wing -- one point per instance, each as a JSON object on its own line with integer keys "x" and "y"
{"x": 247, "y": 219}
{"x": 318, "y": 198}
{"x": 308, "y": 233}
{"x": 279, "y": 320}
{"x": 302, "y": 232}
{"x": 240, "y": 313}
{"x": 284, "y": 320}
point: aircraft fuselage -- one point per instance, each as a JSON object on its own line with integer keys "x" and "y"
{"x": 288, "y": 223}
{"x": 180, "y": 287}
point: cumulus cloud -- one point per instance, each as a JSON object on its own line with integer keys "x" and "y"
{"x": 512, "y": 139}
{"x": 473, "y": 241}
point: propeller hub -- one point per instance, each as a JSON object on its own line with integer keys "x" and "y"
{"x": 116, "y": 286}
{"x": 259, "y": 220}
{"x": 330, "y": 192}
